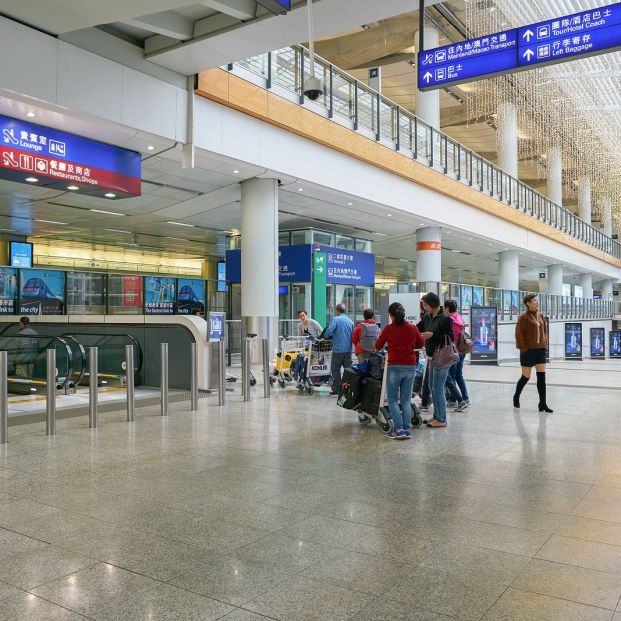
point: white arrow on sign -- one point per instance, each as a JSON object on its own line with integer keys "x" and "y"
{"x": 528, "y": 35}
{"x": 320, "y": 269}
{"x": 427, "y": 77}
{"x": 528, "y": 54}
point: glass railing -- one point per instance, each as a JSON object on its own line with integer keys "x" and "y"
{"x": 27, "y": 361}
{"x": 362, "y": 109}
{"x": 111, "y": 356}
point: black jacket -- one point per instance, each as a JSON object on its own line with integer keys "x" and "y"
{"x": 441, "y": 325}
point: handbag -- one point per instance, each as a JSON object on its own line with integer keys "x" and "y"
{"x": 446, "y": 356}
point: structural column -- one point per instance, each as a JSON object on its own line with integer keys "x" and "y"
{"x": 509, "y": 270}
{"x": 607, "y": 216}
{"x": 555, "y": 279}
{"x": 507, "y": 139}
{"x": 584, "y": 200}
{"x": 428, "y": 103}
{"x": 607, "y": 286}
{"x": 555, "y": 175}
{"x": 259, "y": 258}
{"x": 586, "y": 282}
{"x": 429, "y": 255}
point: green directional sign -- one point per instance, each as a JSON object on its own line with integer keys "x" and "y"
{"x": 320, "y": 270}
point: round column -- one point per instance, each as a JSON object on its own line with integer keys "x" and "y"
{"x": 428, "y": 103}
{"x": 555, "y": 280}
{"x": 259, "y": 259}
{"x": 607, "y": 286}
{"x": 429, "y": 255}
{"x": 507, "y": 139}
{"x": 584, "y": 200}
{"x": 555, "y": 175}
{"x": 509, "y": 270}
{"x": 586, "y": 282}
{"x": 607, "y": 216}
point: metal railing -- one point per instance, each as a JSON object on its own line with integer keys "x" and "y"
{"x": 355, "y": 105}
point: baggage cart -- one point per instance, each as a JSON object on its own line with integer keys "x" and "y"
{"x": 290, "y": 348}
{"x": 315, "y": 368}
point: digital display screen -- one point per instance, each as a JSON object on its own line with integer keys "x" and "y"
{"x": 614, "y": 343}
{"x": 573, "y": 340}
{"x": 221, "y": 276}
{"x": 598, "y": 343}
{"x": 283, "y": 290}
{"x": 20, "y": 254}
{"x": 484, "y": 332}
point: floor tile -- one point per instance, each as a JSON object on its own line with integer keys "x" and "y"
{"x": 28, "y": 607}
{"x": 391, "y": 610}
{"x": 589, "y": 554}
{"x": 244, "y": 615}
{"x": 303, "y": 599}
{"x": 517, "y": 605}
{"x": 505, "y": 538}
{"x": 15, "y": 543}
{"x": 591, "y": 530}
{"x": 520, "y": 517}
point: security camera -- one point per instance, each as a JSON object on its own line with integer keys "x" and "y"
{"x": 313, "y": 88}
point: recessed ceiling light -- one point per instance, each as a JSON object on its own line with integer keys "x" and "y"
{"x": 109, "y": 213}
{"x": 236, "y": 172}
{"x": 349, "y": 204}
{"x": 30, "y": 115}
{"x": 50, "y": 222}
{"x": 32, "y": 179}
{"x": 390, "y": 215}
{"x": 109, "y": 195}
{"x": 421, "y": 224}
{"x": 300, "y": 189}
{"x": 490, "y": 244}
{"x": 150, "y": 147}
{"x": 180, "y": 224}
{"x": 73, "y": 188}
{"x": 470, "y": 238}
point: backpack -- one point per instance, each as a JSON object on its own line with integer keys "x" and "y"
{"x": 464, "y": 343}
{"x": 369, "y": 333}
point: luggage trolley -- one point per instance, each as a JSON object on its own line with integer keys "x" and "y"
{"x": 315, "y": 370}
{"x": 290, "y": 348}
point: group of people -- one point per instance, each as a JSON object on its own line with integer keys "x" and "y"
{"x": 440, "y": 326}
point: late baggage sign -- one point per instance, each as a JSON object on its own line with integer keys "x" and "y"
{"x": 579, "y": 35}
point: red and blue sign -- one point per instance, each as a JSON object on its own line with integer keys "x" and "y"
{"x": 59, "y": 159}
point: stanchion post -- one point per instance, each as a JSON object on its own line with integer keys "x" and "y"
{"x": 246, "y": 368}
{"x": 93, "y": 381}
{"x": 194, "y": 376}
{"x": 266, "y": 368}
{"x": 131, "y": 390}
{"x": 164, "y": 379}
{"x": 4, "y": 398}
{"x": 221, "y": 374}
{"x": 50, "y": 403}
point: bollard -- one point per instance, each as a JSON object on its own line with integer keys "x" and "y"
{"x": 50, "y": 403}
{"x": 266, "y": 368}
{"x": 247, "y": 353}
{"x": 93, "y": 380}
{"x": 164, "y": 379}
{"x": 221, "y": 374}
{"x": 131, "y": 391}
{"x": 4, "y": 398}
{"x": 194, "y": 378}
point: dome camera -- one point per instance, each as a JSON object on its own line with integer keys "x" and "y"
{"x": 313, "y": 88}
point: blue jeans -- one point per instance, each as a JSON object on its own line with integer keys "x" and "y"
{"x": 457, "y": 373}
{"x": 437, "y": 379}
{"x": 452, "y": 386}
{"x": 399, "y": 383}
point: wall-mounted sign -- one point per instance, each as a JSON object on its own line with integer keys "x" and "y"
{"x": 614, "y": 343}
{"x": 349, "y": 267}
{"x": 42, "y": 292}
{"x": 320, "y": 269}
{"x": 20, "y": 254}
{"x": 598, "y": 342}
{"x": 159, "y": 295}
{"x": 8, "y": 290}
{"x": 477, "y": 296}
{"x": 132, "y": 291}
{"x": 484, "y": 326}
{"x": 278, "y": 7}
{"x": 216, "y": 326}
{"x": 591, "y": 32}
{"x": 190, "y": 296}
{"x": 56, "y": 159}
{"x": 573, "y": 341}
{"x": 221, "y": 276}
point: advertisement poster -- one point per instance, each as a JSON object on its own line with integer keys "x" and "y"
{"x": 8, "y": 290}
{"x": 159, "y": 295}
{"x": 20, "y": 254}
{"x": 506, "y": 302}
{"x": 573, "y": 341}
{"x": 614, "y": 343}
{"x": 191, "y": 296}
{"x": 216, "y": 326}
{"x": 42, "y": 292}
{"x": 477, "y": 296}
{"x": 598, "y": 343}
{"x": 515, "y": 302}
{"x": 132, "y": 291}
{"x": 484, "y": 326}
{"x": 466, "y": 297}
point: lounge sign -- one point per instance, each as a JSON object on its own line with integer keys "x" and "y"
{"x": 47, "y": 157}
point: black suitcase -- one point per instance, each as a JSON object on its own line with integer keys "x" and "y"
{"x": 370, "y": 395}
{"x": 349, "y": 391}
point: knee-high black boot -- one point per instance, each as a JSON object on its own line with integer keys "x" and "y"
{"x": 541, "y": 389}
{"x": 518, "y": 390}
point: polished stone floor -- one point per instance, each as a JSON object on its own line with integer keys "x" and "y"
{"x": 287, "y": 509}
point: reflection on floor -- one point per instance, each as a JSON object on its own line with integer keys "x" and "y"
{"x": 288, "y": 509}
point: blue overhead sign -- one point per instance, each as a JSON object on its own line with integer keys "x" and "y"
{"x": 279, "y": 7}
{"x": 556, "y": 40}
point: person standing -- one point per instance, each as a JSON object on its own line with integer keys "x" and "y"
{"x": 365, "y": 334}
{"x": 455, "y": 380}
{"x": 402, "y": 339}
{"x": 26, "y": 348}
{"x": 308, "y": 326}
{"x": 340, "y": 330}
{"x": 437, "y": 330}
{"x": 531, "y": 339}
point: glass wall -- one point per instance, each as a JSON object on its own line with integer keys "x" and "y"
{"x": 86, "y": 293}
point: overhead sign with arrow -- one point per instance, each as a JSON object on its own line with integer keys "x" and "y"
{"x": 597, "y": 31}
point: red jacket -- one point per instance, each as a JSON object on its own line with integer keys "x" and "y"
{"x": 402, "y": 341}
{"x": 355, "y": 337}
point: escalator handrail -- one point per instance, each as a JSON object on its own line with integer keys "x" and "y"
{"x": 79, "y": 345}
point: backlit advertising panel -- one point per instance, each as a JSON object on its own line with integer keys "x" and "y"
{"x": 614, "y": 343}
{"x": 191, "y": 296}
{"x": 132, "y": 291}
{"x": 42, "y": 292}
{"x": 160, "y": 295}
{"x": 598, "y": 343}
{"x": 573, "y": 341}
{"x": 8, "y": 290}
{"x": 484, "y": 326}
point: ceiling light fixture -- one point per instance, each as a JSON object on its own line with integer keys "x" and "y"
{"x": 236, "y": 172}
{"x": 117, "y": 231}
{"x": 110, "y": 195}
{"x": 150, "y": 147}
{"x": 300, "y": 189}
{"x": 32, "y": 180}
{"x": 30, "y": 115}
{"x": 73, "y": 188}
{"x": 109, "y": 213}
{"x": 180, "y": 224}
{"x": 349, "y": 204}
{"x": 50, "y": 222}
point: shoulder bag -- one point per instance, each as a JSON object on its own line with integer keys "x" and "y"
{"x": 445, "y": 356}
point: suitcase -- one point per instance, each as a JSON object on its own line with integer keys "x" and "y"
{"x": 371, "y": 395}
{"x": 349, "y": 391}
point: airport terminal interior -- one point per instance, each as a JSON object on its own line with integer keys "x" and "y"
{"x": 310, "y": 310}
